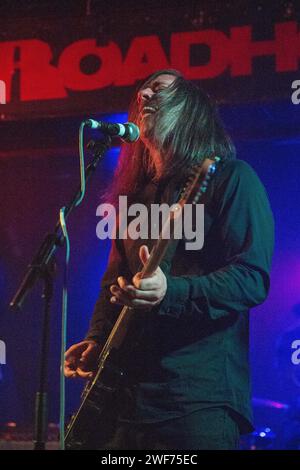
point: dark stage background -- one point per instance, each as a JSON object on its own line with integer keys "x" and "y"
{"x": 39, "y": 170}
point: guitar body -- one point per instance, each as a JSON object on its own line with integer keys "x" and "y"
{"x": 95, "y": 422}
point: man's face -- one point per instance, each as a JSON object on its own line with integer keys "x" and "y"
{"x": 147, "y": 106}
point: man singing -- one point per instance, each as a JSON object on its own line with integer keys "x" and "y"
{"x": 187, "y": 359}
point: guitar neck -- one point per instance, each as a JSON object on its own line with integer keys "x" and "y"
{"x": 201, "y": 175}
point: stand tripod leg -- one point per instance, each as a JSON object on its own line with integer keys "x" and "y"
{"x": 41, "y": 400}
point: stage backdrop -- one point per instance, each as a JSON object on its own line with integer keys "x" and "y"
{"x": 239, "y": 50}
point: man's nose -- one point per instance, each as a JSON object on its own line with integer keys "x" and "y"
{"x": 145, "y": 94}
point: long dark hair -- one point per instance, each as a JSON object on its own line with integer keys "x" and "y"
{"x": 187, "y": 130}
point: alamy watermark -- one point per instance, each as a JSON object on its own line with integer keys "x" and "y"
{"x": 295, "y": 97}
{"x": 137, "y": 221}
{"x": 2, "y": 352}
{"x": 2, "y": 92}
{"x": 295, "y": 357}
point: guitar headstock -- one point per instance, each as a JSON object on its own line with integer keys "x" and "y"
{"x": 198, "y": 181}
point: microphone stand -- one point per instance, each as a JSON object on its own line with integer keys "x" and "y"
{"x": 42, "y": 267}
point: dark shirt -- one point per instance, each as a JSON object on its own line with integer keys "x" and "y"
{"x": 191, "y": 351}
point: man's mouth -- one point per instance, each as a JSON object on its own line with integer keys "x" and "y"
{"x": 148, "y": 110}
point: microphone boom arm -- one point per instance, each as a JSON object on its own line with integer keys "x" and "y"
{"x": 45, "y": 253}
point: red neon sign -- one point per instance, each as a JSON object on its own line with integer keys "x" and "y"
{"x": 41, "y": 80}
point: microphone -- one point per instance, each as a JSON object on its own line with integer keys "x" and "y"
{"x": 128, "y": 132}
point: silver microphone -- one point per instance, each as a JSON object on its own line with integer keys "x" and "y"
{"x": 128, "y": 132}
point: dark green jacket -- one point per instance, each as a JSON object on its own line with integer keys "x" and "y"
{"x": 192, "y": 351}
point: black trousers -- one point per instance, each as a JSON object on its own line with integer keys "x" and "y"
{"x": 206, "y": 429}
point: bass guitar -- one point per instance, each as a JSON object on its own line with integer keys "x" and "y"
{"x": 94, "y": 422}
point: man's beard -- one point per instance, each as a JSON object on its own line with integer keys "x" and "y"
{"x": 152, "y": 140}
{"x": 155, "y": 131}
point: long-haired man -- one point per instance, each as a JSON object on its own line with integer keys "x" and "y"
{"x": 187, "y": 364}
